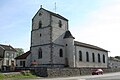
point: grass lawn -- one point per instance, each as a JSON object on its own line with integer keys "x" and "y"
{"x": 17, "y": 76}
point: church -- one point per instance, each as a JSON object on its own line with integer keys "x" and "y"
{"x": 53, "y": 45}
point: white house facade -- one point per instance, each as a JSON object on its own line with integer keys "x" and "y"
{"x": 23, "y": 60}
{"x": 7, "y": 55}
{"x": 52, "y": 44}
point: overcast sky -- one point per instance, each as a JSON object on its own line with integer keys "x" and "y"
{"x": 95, "y": 22}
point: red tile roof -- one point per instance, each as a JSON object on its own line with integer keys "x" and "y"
{"x": 23, "y": 56}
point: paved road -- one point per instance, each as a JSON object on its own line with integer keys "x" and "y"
{"x": 109, "y": 76}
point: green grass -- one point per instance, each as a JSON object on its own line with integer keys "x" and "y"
{"x": 17, "y": 76}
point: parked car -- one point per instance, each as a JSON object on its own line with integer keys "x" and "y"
{"x": 97, "y": 71}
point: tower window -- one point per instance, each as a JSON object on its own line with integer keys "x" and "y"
{"x": 40, "y": 14}
{"x": 87, "y": 56}
{"x": 39, "y": 53}
{"x": 66, "y": 45}
{"x": 60, "y": 23}
{"x": 40, "y": 24}
{"x": 40, "y": 34}
{"x": 80, "y": 55}
{"x": 61, "y": 53}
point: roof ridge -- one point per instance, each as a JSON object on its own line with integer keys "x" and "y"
{"x": 55, "y": 14}
{"x": 89, "y": 45}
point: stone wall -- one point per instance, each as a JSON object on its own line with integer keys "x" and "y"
{"x": 64, "y": 72}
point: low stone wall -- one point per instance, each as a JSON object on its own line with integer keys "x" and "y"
{"x": 64, "y": 72}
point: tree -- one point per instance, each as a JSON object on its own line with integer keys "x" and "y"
{"x": 118, "y": 57}
{"x": 20, "y": 51}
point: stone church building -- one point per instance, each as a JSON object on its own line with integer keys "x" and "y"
{"x": 53, "y": 45}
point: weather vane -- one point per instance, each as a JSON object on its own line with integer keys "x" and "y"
{"x": 55, "y": 6}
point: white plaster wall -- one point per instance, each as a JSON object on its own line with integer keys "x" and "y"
{"x": 56, "y": 58}
{"x": 45, "y": 54}
{"x": 70, "y": 51}
{"x": 83, "y": 63}
{"x": 45, "y": 18}
{"x": 43, "y": 39}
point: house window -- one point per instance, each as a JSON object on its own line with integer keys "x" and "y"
{"x": 93, "y": 57}
{"x": 103, "y": 58}
{"x": 40, "y": 24}
{"x": 60, "y": 23}
{"x": 7, "y": 62}
{"x": 87, "y": 56}
{"x": 61, "y": 53}
{"x": 7, "y": 55}
{"x": 39, "y": 53}
{"x": 80, "y": 55}
{"x": 21, "y": 63}
{"x": 99, "y": 58}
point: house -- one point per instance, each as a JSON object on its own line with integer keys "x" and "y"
{"x": 23, "y": 60}
{"x": 53, "y": 45}
{"x": 7, "y": 55}
{"x": 113, "y": 62}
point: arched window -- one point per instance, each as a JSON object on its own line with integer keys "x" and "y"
{"x": 87, "y": 56}
{"x": 80, "y": 55}
{"x": 103, "y": 58}
{"x": 39, "y": 53}
{"x": 99, "y": 58}
{"x": 40, "y": 24}
{"x": 60, "y": 23}
{"x": 93, "y": 57}
{"x": 61, "y": 53}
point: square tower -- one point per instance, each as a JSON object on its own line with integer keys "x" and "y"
{"x": 47, "y": 44}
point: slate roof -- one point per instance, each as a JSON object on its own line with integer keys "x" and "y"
{"x": 54, "y": 14}
{"x": 23, "y": 56}
{"x": 76, "y": 43}
{"x": 68, "y": 35}
{"x": 7, "y": 47}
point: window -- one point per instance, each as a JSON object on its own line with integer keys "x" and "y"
{"x": 66, "y": 45}
{"x": 7, "y": 55}
{"x": 60, "y": 23}
{"x": 40, "y": 34}
{"x": 40, "y": 24}
{"x": 21, "y": 63}
{"x": 93, "y": 57}
{"x": 7, "y": 62}
{"x": 61, "y": 53}
{"x": 40, "y": 14}
{"x": 12, "y": 55}
{"x": 80, "y": 55}
{"x": 87, "y": 57}
{"x": 99, "y": 58}
{"x": 103, "y": 58}
{"x": 39, "y": 53}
